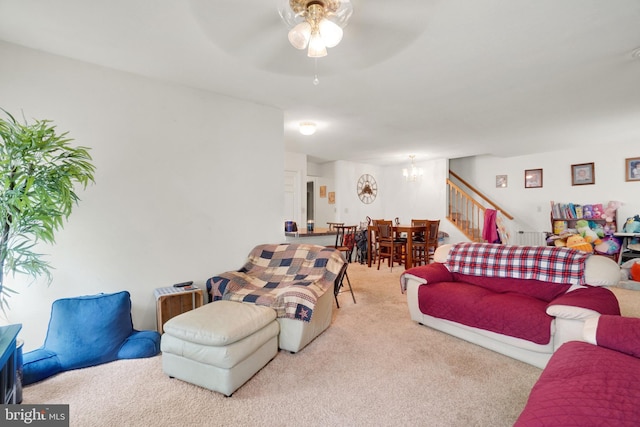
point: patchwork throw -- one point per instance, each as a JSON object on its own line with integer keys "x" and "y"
{"x": 288, "y": 278}
{"x": 544, "y": 263}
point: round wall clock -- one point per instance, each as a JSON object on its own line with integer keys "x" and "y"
{"x": 367, "y": 188}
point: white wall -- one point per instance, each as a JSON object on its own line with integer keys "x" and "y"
{"x": 322, "y": 175}
{"x": 531, "y": 206}
{"x": 177, "y": 196}
{"x": 349, "y": 208}
{"x": 396, "y": 197}
{"x": 424, "y": 199}
{"x": 295, "y": 165}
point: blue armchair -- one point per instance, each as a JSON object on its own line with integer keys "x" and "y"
{"x": 87, "y": 331}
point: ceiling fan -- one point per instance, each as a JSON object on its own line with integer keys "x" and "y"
{"x": 254, "y": 32}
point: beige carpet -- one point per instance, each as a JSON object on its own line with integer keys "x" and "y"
{"x": 373, "y": 366}
{"x": 629, "y": 301}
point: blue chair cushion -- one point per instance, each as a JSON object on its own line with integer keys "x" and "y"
{"x": 140, "y": 344}
{"x": 87, "y": 331}
{"x": 38, "y": 365}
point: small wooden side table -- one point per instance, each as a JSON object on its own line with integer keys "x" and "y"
{"x": 173, "y": 301}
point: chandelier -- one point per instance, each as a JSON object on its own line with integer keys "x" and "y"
{"x": 315, "y": 24}
{"x": 412, "y": 173}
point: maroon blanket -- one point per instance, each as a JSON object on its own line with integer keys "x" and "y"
{"x": 619, "y": 333}
{"x": 511, "y": 314}
{"x": 513, "y": 307}
{"x": 585, "y": 385}
{"x": 594, "y": 298}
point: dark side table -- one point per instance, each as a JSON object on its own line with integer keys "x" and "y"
{"x": 8, "y": 363}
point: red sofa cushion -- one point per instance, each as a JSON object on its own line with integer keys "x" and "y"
{"x": 594, "y": 298}
{"x": 534, "y": 288}
{"x": 545, "y": 291}
{"x": 585, "y": 385}
{"x": 431, "y": 273}
{"x": 513, "y": 314}
{"x": 620, "y": 333}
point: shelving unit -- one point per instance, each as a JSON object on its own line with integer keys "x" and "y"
{"x": 564, "y": 216}
{"x": 626, "y": 254}
{"x": 569, "y": 213}
{"x": 571, "y": 222}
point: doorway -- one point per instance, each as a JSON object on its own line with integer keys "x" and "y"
{"x": 310, "y": 201}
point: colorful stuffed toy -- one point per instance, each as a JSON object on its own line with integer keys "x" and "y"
{"x": 609, "y": 212}
{"x": 630, "y": 270}
{"x": 634, "y": 272}
{"x": 632, "y": 225}
{"x": 608, "y": 246}
{"x": 590, "y": 236}
{"x": 609, "y": 229}
{"x": 577, "y": 242}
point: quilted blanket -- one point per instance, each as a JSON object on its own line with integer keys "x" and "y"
{"x": 287, "y": 277}
{"x": 543, "y": 263}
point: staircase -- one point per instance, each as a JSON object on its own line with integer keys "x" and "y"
{"x": 467, "y": 207}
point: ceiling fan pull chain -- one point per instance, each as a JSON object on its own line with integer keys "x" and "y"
{"x": 316, "y": 80}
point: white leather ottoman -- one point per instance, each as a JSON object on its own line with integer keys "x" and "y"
{"x": 220, "y": 345}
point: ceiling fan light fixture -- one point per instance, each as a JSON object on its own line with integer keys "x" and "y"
{"x": 317, "y": 47}
{"x": 300, "y": 34}
{"x": 307, "y": 128}
{"x": 330, "y": 32}
{"x": 315, "y": 23}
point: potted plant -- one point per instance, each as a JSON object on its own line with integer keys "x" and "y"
{"x": 38, "y": 173}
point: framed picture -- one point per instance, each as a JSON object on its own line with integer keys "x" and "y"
{"x": 332, "y": 197}
{"x": 323, "y": 191}
{"x": 533, "y": 178}
{"x": 632, "y": 169}
{"x": 582, "y": 174}
{"x": 501, "y": 181}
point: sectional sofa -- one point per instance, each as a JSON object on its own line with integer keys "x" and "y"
{"x": 591, "y": 383}
{"x": 521, "y": 301}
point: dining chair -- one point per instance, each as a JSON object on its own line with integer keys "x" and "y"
{"x": 419, "y": 255}
{"x": 389, "y": 247}
{"x": 374, "y": 244}
{"x": 433, "y": 228}
{"x": 362, "y": 244}
{"x": 345, "y": 239}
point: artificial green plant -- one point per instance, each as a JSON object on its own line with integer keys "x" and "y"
{"x": 38, "y": 172}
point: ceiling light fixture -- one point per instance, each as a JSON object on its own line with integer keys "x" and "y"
{"x": 412, "y": 173}
{"x": 307, "y": 128}
{"x": 315, "y": 24}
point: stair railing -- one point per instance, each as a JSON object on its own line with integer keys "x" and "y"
{"x": 465, "y": 211}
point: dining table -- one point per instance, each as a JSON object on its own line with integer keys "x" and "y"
{"x": 398, "y": 229}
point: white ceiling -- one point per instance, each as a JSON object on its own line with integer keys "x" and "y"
{"x": 434, "y": 78}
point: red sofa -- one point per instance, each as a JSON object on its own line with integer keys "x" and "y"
{"x": 521, "y": 301}
{"x": 592, "y": 383}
